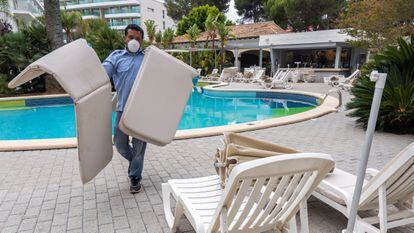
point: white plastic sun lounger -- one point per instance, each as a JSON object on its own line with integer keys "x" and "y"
{"x": 228, "y": 74}
{"x": 279, "y": 80}
{"x": 78, "y": 70}
{"x": 342, "y": 81}
{"x": 257, "y": 75}
{"x": 391, "y": 187}
{"x": 214, "y": 76}
{"x": 260, "y": 195}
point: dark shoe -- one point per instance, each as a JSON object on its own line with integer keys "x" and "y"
{"x": 135, "y": 185}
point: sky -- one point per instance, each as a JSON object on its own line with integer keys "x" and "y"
{"x": 232, "y": 13}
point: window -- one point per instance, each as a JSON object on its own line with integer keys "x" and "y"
{"x": 163, "y": 25}
{"x": 163, "y": 14}
{"x": 151, "y": 9}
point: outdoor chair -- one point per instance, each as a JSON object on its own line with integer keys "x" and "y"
{"x": 341, "y": 81}
{"x": 279, "y": 80}
{"x": 199, "y": 71}
{"x": 349, "y": 82}
{"x": 228, "y": 74}
{"x": 308, "y": 75}
{"x": 389, "y": 191}
{"x": 257, "y": 75}
{"x": 248, "y": 70}
{"x": 260, "y": 195}
{"x": 214, "y": 76}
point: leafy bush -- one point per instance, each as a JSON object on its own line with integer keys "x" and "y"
{"x": 396, "y": 112}
{"x": 18, "y": 50}
{"x": 104, "y": 41}
{"x": 198, "y": 16}
{"x": 5, "y": 27}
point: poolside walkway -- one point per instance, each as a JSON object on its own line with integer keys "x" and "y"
{"x": 40, "y": 191}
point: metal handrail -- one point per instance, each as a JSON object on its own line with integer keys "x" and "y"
{"x": 333, "y": 90}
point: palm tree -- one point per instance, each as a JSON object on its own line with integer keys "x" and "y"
{"x": 168, "y": 37}
{"x": 192, "y": 34}
{"x": 70, "y": 21}
{"x": 151, "y": 29}
{"x": 158, "y": 38}
{"x": 4, "y": 7}
{"x": 211, "y": 25}
{"x": 105, "y": 40}
{"x": 53, "y": 23}
{"x": 224, "y": 34}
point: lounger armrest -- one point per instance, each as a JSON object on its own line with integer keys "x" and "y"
{"x": 372, "y": 172}
{"x": 329, "y": 187}
{"x": 193, "y": 215}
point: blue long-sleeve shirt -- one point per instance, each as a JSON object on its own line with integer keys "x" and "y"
{"x": 123, "y": 67}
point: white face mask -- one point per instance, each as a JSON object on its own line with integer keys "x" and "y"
{"x": 133, "y": 46}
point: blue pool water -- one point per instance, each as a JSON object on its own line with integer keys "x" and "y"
{"x": 202, "y": 110}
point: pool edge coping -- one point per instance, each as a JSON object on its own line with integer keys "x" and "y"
{"x": 330, "y": 105}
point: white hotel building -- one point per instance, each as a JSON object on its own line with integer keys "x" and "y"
{"x": 120, "y": 13}
{"x": 24, "y": 10}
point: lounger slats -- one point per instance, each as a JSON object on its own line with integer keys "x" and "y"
{"x": 195, "y": 181}
{"x": 402, "y": 186}
{"x": 200, "y": 189}
{"x": 264, "y": 199}
{"x": 394, "y": 183}
{"x": 290, "y": 191}
{"x": 307, "y": 180}
{"x": 209, "y": 200}
{"x": 276, "y": 195}
{"x": 241, "y": 194}
{"x": 252, "y": 198}
{"x": 205, "y": 195}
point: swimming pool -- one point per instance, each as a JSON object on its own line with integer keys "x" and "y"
{"x": 45, "y": 118}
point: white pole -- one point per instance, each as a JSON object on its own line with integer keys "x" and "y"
{"x": 380, "y": 79}
{"x": 338, "y": 56}
{"x": 261, "y": 57}
{"x": 236, "y": 57}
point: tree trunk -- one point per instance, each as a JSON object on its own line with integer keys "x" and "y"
{"x": 53, "y": 23}
{"x": 223, "y": 56}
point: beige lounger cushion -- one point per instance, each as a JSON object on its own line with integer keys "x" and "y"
{"x": 78, "y": 70}
{"x": 344, "y": 180}
{"x": 158, "y": 98}
{"x": 94, "y": 140}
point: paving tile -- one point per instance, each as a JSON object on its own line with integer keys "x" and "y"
{"x": 43, "y": 226}
{"x": 28, "y": 224}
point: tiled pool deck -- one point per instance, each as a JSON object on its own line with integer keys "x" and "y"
{"x": 40, "y": 191}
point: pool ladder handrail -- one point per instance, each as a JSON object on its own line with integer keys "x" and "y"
{"x": 334, "y": 90}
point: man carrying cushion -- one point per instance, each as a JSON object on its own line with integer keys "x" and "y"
{"x": 123, "y": 66}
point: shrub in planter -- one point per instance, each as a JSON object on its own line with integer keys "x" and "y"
{"x": 396, "y": 112}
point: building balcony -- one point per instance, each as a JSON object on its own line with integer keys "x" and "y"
{"x": 123, "y": 15}
{"x": 33, "y": 7}
{"x": 123, "y": 24}
{"x": 91, "y": 17}
{"x": 88, "y": 4}
{"x": 119, "y": 11}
